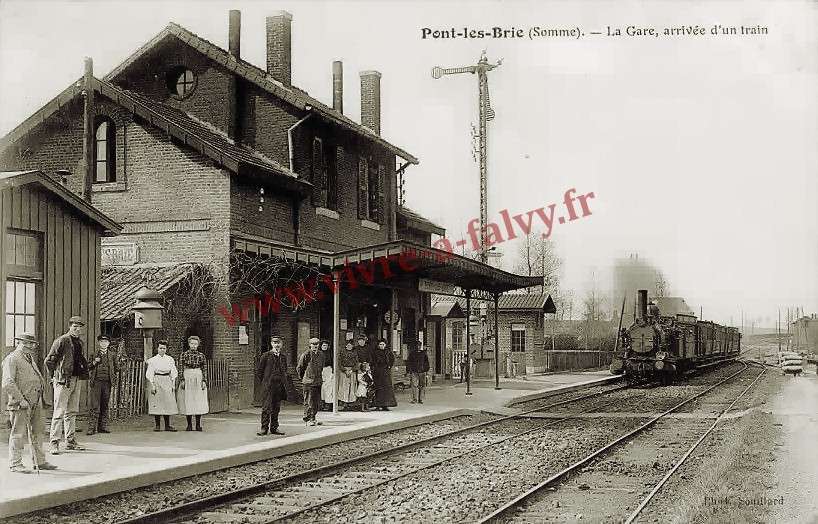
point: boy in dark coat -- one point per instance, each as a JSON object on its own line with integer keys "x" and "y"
{"x": 272, "y": 373}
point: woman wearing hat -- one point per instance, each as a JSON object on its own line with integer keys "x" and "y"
{"x": 348, "y": 374}
{"x": 192, "y": 392}
{"x": 161, "y": 375}
{"x": 382, "y": 360}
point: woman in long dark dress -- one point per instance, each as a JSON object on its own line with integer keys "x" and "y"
{"x": 382, "y": 360}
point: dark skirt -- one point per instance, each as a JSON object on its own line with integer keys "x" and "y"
{"x": 384, "y": 394}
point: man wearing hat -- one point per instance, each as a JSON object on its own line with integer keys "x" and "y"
{"x": 364, "y": 353}
{"x": 104, "y": 367}
{"x": 310, "y": 366}
{"x": 67, "y": 365}
{"x": 24, "y": 385}
{"x": 272, "y": 374}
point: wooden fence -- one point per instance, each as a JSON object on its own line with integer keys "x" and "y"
{"x": 568, "y": 360}
{"x": 129, "y": 398}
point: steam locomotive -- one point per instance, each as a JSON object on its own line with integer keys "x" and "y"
{"x": 660, "y": 345}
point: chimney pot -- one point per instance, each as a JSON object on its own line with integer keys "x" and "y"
{"x": 234, "y": 34}
{"x": 338, "y": 86}
{"x": 279, "y": 47}
{"x": 371, "y": 100}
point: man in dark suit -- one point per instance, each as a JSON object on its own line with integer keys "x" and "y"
{"x": 104, "y": 368}
{"x": 272, "y": 373}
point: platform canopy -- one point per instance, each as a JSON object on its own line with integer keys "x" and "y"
{"x": 438, "y": 266}
{"x": 402, "y": 257}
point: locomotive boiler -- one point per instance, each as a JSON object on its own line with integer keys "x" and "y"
{"x": 660, "y": 345}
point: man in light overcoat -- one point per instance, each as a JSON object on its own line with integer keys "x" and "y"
{"x": 24, "y": 384}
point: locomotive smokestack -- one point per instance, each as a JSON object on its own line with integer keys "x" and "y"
{"x": 643, "y": 304}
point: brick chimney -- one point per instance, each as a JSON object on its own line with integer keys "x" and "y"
{"x": 234, "y": 35}
{"x": 371, "y": 100}
{"x": 234, "y": 48}
{"x": 279, "y": 47}
{"x": 338, "y": 86}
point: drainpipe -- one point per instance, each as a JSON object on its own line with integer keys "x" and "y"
{"x": 290, "y": 137}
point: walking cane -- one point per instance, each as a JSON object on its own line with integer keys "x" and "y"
{"x": 31, "y": 444}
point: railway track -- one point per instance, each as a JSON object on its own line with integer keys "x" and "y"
{"x": 291, "y": 496}
{"x": 617, "y": 481}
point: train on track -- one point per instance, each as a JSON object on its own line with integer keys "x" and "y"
{"x": 660, "y": 345}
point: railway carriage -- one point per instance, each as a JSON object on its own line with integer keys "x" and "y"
{"x": 661, "y": 344}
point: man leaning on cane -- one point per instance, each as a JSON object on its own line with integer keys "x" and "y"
{"x": 24, "y": 384}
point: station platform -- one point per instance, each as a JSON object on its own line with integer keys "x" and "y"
{"x": 134, "y": 455}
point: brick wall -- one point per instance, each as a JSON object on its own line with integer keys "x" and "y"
{"x": 274, "y": 221}
{"x": 265, "y": 123}
{"x": 534, "y": 356}
{"x": 157, "y": 172}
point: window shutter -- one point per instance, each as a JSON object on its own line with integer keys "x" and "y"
{"x": 381, "y": 195}
{"x": 339, "y": 162}
{"x": 363, "y": 186}
{"x": 319, "y": 196}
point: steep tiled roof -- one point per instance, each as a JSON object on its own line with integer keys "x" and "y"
{"x": 292, "y": 95}
{"x": 410, "y": 219}
{"x": 202, "y": 137}
{"x": 447, "y": 308}
{"x": 198, "y": 135}
{"x": 120, "y": 284}
{"x": 514, "y": 301}
{"x": 25, "y": 127}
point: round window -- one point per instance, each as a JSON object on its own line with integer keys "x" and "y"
{"x": 181, "y": 81}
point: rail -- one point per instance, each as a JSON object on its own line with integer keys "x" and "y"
{"x": 513, "y": 505}
{"x": 185, "y": 510}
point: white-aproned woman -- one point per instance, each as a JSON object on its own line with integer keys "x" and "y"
{"x": 192, "y": 392}
{"x": 161, "y": 375}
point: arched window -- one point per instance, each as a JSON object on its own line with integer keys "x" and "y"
{"x": 105, "y": 151}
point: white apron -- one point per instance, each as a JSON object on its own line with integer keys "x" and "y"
{"x": 193, "y": 399}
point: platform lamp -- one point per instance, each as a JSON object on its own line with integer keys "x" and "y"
{"x": 147, "y": 316}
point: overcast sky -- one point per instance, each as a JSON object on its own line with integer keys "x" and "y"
{"x": 701, "y": 150}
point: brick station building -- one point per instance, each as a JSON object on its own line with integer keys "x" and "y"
{"x": 229, "y": 183}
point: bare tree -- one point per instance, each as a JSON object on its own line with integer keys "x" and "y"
{"x": 536, "y": 256}
{"x": 661, "y": 288}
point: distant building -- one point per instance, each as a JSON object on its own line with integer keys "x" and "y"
{"x": 805, "y": 334}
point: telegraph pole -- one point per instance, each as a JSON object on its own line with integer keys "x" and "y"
{"x": 486, "y": 113}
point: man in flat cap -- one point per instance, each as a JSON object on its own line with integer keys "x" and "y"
{"x": 310, "y": 366}
{"x": 24, "y": 385}
{"x": 104, "y": 367}
{"x": 67, "y": 365}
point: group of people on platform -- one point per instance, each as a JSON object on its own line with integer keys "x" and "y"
{"x": 168, "y": 397}
{"x": 25, "y": 384}
{"x": 364, "y": 378}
